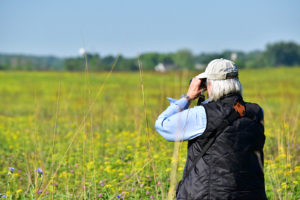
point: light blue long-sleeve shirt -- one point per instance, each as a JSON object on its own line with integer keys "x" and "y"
{"x": 179, "y": 123}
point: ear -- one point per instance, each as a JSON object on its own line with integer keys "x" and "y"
{"x": 208, "y": 82}
{"x": 208, "y": 87}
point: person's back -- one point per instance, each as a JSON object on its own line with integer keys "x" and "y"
{"x": 232, "y": 168}
{"x": 225, "y": 134}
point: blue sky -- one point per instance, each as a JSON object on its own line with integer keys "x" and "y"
{"x": 131, "y": 27}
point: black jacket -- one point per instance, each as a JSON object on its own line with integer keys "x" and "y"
{"x": 232, "y": 168}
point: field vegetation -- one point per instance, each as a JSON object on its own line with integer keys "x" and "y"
{"x": 91, "y": 135}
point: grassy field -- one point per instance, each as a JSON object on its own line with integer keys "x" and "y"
{"x": 92, "y": 136}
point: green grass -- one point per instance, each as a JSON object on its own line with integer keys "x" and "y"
{"x": 92, "y": 142}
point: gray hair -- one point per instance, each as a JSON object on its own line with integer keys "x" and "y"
{"x": 220, "y": 88}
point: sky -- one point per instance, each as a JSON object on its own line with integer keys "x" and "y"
{"x": 132, "y": 27}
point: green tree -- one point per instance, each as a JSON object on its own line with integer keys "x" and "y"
{"x": 166, "y": 58}
{"x": 125, "y": 64}
{"x": 107, "y": 62}
{"x": 74, "y": 64}
{"x": 205, "y": 58}
{"x": 94, "y": 62}
{"x": 184, "y": 59}
{"x": 283, "y": 53}
{"x": 149, "y": 60}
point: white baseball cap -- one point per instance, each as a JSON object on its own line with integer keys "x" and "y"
{"x": 219, "y": 69}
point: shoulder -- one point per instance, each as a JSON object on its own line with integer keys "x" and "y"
{"x": 253, "y": 110}
{"x": 212, "y": 105}
{"x": 216, "y": 109}
{"x": 254, "y": 107}
{"x": 199, "y": 109}
{"x": 216, "y": 112}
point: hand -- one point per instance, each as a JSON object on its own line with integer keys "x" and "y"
{"x": 194, "y": 89}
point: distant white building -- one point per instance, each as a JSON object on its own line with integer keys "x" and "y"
{"x": 234, "y": 56}
{"x": 161, "y": 67}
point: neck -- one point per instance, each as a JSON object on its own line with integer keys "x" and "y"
{"x": 231, "y": 94}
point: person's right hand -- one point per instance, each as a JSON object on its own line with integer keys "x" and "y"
{"x": 194, "y": 89}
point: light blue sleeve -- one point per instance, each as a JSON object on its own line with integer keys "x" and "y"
{"x": 179, "y": 123}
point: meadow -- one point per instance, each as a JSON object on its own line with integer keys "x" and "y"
{"x": 91, "y": 135}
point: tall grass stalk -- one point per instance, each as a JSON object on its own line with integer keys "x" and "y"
{"x": 81, "y": 126}
{"x": 55, "y": 132}
{"x": 147, "y": 127}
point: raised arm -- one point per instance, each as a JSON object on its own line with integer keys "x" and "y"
{"x": 179, "y": 123}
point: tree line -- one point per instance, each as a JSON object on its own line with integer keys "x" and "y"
{"x": 276, "y": 54}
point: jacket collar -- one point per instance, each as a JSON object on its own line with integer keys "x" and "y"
{"x": 231, "y": 98}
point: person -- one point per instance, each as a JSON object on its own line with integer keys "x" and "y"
{"x": 232, "y": 164}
